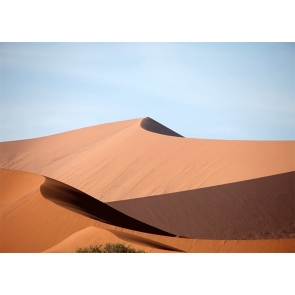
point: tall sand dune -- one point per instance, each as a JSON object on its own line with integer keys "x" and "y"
{"x": 135, "y": 159}
{"x": 140, "y": 182}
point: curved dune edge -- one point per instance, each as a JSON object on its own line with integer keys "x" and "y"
{"x": 105, "y": 234}
{"x": 30, "y": 216}
{"x": 97, "y": 235}
{"x": 16, "y": 185}
{"x": 213, "y": 246}
{"x": 254, "y": 209}
{"x": 81, "y": 203}
{"x": 121, "y": 160}
{"x": 31, "y": 223}
{"x": 153, "y": 126}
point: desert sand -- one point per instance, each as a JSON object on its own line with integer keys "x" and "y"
{"x": 143, "y": 184}
{"x": 120, "y": 161}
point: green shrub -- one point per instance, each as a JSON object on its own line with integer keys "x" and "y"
{"x": 109, "y": 248}
{"x": 91, "y": 249}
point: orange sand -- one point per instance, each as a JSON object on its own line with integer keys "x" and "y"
{"x": 32, "y": 223}
{"x": 140, "y": 182}
{"x": 120, "y": 161}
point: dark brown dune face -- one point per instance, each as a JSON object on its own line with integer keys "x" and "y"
{"x": 153, "y": 126}
{"x": 79, "y": 202}
{"x": 255, "y": 209}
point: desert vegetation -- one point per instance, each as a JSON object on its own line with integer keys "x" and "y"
{"x": 108, "y": 248}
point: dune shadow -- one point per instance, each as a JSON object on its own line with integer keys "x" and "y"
{"x": 154, "y": 126}
{"x": 143, "y": 241}
{"x": 261, "y": 208}
{"x": 81, "y": 203}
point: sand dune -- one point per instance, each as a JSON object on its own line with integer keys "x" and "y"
{"x": 33, "y": 223}
{"x": 161, "y": 244}
{"x": 50, "y": 212}
{"x": 16, "y": 185}
{"x": 140, "y": 182}
{"x": 97, "y": 235}
{"x": 254, "y": 209}
{"x": 83, "y": 204}
{"x": 120, "y": 161}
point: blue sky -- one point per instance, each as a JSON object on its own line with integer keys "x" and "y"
{"x": 202, "y": 90}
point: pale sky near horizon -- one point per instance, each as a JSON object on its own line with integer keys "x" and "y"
{"x": 242, "y": 91}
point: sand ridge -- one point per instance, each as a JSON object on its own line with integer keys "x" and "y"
{"x": 99, "y": 235}
{"x": 140, "y": 182}
{"x": 122, "y": 160}
{"x": 35, "y": 224}
{"x": 83, "y": 204}
{"x": 153, "y": 126}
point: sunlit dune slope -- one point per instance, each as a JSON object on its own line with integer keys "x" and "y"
{"x": 135, "y": 158}
{"x": 158, "y": 244}
{"x": 49, "y": 211}
{"x": 97, "y": 235}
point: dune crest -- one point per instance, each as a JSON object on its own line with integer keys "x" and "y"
{"x": 153, "y": 126}
{"x": 120, "y": 161}
{"x": 97, "y": 235}
{"x": 140, "y": 182}
{"x": 83, "y": 204}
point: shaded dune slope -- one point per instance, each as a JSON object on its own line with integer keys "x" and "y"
{"x": 261, "y": 208}
{"x": 156, "y": 127}
{"x": 122, "y": 160}
{"x": 79, "y": 202}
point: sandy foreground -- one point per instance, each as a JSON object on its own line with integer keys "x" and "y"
{"x": 142, "y": 184}
{"x": 33, "y": 221}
